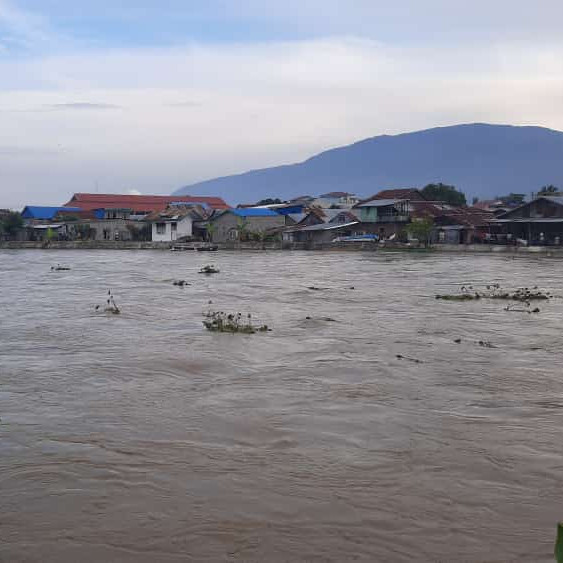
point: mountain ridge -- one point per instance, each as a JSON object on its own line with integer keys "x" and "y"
{"x": 480, "y": 159}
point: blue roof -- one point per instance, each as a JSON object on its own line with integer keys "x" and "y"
{"x": 39, "y": 212}
{"x": 254, "y": 212}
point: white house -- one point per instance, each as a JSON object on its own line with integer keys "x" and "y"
{"x": 174, "y": 223}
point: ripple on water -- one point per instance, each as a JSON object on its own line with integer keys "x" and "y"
{"x": 142, "y": 437}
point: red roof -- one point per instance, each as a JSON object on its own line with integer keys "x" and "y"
{"x": 88, "y": 202}
{"x": 404, "y": 193}
{"x": 468, "y": 216}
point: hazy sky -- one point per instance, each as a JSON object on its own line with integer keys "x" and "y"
{"x": 143, "y": 95}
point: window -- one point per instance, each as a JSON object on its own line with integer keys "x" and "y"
{"x": 161, "y": 228}
{"x": 174, "y": 227}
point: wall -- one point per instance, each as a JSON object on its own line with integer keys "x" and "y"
{"x": 226, "y": 225}
{"x": 114, "y": 229}
{"x": 184, "y": 229}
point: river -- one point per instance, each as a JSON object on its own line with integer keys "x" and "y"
{"x": 142, "y": 437}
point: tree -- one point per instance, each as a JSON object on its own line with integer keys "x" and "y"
{"x": 11, "y": 223}
{"x": 445, "y": 193}
{"x": 512, "y": 199}
{"x": 242, "y": 229}
{"x": 210, "y": 230}
{"x": 549, "y": 190}
{"x": 421, "y": 229}
{"x": 474, "y": 200}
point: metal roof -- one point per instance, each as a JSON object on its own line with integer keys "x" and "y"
{"x": 41, "y": 212}
{"x": 530, "y": 220}
{"x": 323, "y": 227}
{"x": 254, "y": 212}
{"x": 555, "y": 199}
{"x": 140, "y": 202}
{"x": 379, "y": 203}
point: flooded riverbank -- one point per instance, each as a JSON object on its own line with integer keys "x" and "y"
{"x": 144, "y": 437}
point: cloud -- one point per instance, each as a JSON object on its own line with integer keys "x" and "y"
{"x": 31, "y": 152}
{"x": 82, "y": 106}
{"x": 187, "y": 104}
{"x": 259, "y": 104}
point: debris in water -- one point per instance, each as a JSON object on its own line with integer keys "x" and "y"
{"x": 522, "y": 294}
{"x": 218, "y": 321}
{"x": 517, "y": 310}
{"x": 462, "y": 297}
{"x": 209, "y": 269}
{"x": 59, "y": 268}
{"x": 111, "y": 306}
{"x": 181, "y": 283}
{"x": 413, "y": 360}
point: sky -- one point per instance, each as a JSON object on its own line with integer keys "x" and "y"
{"x": 142, "y": 96}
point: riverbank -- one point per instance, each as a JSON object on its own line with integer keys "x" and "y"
{"x": 550, "y": 251}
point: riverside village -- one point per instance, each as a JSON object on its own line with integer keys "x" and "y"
{"x": 435, "y": 216}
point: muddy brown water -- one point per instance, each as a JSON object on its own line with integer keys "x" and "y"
{"x": 144, "y": 438}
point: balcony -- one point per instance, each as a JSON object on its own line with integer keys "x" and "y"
{"x": 398, "y": 218}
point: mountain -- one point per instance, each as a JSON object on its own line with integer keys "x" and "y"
{"x": 479, "y": 159}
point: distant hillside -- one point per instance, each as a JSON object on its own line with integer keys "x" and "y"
{"x": 481, "y": 160}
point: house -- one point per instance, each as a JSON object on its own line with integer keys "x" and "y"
{"x": 239, "y": 224}
{"x": 391, "y": 211}
{"x": 389, "y": 216}
{"x": 139, "y": 203}
{"x": 333, "y": 200}
{"x": 389, "y": 206}
{"x": 175, "y": 222}
{"x": 462, "y": 225}
{"x": 33, "y": 213}
{"x": 321, "y": 233}
{"x": 496, "y": 206}
{"x": 321, "y": 226}
{"x": 317, "y": 216}
{"x": 538, "y": 222}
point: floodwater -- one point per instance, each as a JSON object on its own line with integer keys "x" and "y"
{"x": 144, "y": 438}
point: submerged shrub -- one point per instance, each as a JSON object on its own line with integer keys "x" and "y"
{"x": 218, "y": 321}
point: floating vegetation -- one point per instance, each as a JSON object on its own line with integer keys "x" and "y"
{"x": 180, "y": 283}
{"x": 59, "y": 268}
{"x": 522, "y": 294}
{"x": 218, "y": 321}
{"x": 111, "y": 306}
{"x": 209, "y": 269}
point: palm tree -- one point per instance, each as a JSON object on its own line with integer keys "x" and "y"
{"x": 242, "y": 228}
{"x": 210, "y": 230}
